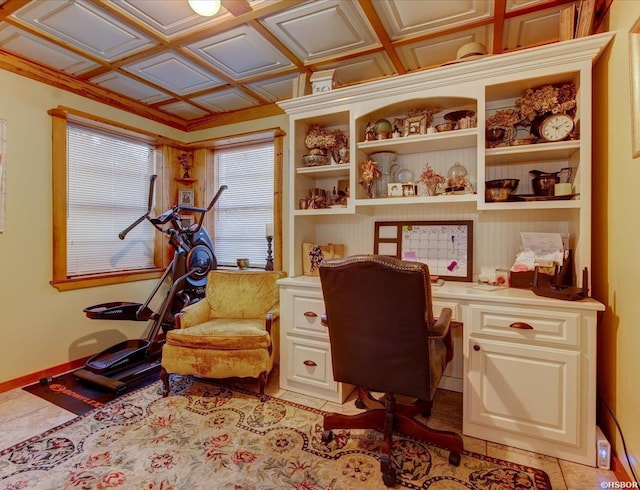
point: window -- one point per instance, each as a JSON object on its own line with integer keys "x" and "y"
{"x": 101, "y": 176}
{"x": 107, "y": 190}
{"x": 247, "y": 206}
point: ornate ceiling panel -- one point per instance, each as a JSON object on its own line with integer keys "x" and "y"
{"x": 159, "y": 59}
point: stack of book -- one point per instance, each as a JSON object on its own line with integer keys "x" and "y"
{"x": 578, "y": 19}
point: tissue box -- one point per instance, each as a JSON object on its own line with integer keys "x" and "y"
{"x": 524, "y": 280}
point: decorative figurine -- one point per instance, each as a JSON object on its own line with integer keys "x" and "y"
{"x": 185, "y": 164}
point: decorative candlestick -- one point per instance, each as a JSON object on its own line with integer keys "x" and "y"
{"x": 269, "y": 236}
{"x": 269, "y": 265}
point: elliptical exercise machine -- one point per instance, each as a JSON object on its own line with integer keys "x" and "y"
{"x": 121, "y": 365}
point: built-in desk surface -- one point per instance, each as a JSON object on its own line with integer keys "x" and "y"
{"x": 466, "y": 291}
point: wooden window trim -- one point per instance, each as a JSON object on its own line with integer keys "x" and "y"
{"x": 273, "y": 135}
{"x": 60, "y": 117}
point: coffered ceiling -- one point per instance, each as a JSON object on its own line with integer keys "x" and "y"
{"x": 158, "y": 59}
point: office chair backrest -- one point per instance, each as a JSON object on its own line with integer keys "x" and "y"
{"x": 378, "y": 311}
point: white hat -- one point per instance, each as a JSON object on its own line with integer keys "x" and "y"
{"x": 468, "y": 52}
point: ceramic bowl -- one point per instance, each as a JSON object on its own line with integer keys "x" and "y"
{"x": 446, "y": 126}
{"x": 316, "y": 160}
{"x": 497, "y": 194}
{"x": 511, "y": 184}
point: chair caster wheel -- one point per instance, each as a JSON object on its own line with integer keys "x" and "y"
{"x": 389, "y": 479}
{"x": 327, "y": 436}
{"x": 454, "y": 458}
{"x": 358, "y": 403}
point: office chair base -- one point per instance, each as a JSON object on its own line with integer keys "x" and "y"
{"x": 394, "y": 417}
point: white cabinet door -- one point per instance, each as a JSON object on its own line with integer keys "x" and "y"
{"x": 524, "y": 389}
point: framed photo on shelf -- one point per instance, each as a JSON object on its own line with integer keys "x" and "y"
{"x": 187, "y": 220}
{"x": 415, "y": 125}
{"x": 185, "y": 197}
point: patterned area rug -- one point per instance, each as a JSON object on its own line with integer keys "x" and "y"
{"x": 209, "y": 436}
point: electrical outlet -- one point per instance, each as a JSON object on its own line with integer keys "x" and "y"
{"x": 603, "y": 449}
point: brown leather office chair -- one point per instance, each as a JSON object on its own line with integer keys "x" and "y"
{"x": 385, "y": 339}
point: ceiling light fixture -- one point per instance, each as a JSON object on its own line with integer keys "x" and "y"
{"x": 206, "y": 8}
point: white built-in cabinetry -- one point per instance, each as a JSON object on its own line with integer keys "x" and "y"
{"x": 533, "y": 387}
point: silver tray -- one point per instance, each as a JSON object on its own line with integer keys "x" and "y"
{"x": 532, "y": 197}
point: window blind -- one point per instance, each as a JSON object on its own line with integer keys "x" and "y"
{"x": 246, "y": 206}
{"x": 107, "y": 186}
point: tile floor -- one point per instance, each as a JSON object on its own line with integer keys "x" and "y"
{"x": 23, "y": 414}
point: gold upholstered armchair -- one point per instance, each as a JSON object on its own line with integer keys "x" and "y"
{"x": 232, "y": 332}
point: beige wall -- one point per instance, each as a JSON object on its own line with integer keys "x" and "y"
{"x": 41, "y": 327}
{"x": 616, "y": 267}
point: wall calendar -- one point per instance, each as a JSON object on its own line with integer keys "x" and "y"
{"x": 445, "y": 246}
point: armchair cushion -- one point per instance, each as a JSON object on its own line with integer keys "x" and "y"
{"x": 223, "y": 334}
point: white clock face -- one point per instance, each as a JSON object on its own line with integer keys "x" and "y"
{"x": 556, "y": 128}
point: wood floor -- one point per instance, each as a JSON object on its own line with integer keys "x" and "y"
{"x": 23, "y": 415}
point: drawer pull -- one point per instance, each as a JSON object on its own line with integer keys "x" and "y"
{"x": 310, "y": 314}
{"x": 476, "y": 347}
{"x": 309, "y": 363}
{"x": 521, "y": 326}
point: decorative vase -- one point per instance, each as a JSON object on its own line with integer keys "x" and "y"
{"x": 371, "y": 190}
{"x": 386, "y": 164}
{"x": 432, "y": 189}
{"x": 343, "y": 153}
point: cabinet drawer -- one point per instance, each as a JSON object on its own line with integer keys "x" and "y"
{"x": 533, "y": 325}
{"x": 309, "y": 363}
{"x": 306, "y": 317}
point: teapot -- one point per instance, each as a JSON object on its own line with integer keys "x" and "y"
{"x": 543, "y": 183}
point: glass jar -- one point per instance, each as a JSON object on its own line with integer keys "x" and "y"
{"x": 458, "y": 178}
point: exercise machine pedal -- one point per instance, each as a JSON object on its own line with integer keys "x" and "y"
{"x": 98, "y": 379}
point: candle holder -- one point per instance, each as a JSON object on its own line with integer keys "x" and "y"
{"x": 269, "y": 265}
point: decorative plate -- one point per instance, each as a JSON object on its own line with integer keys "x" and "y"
{"x": 404, "y": 176}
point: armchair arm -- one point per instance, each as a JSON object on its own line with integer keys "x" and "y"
{"x": 272, "y": 319}
{"x": 442, "y": 330}
{"x": 441, "y": 327}
{"x": 192, "y": 315}
{"x": 273, "y": 313}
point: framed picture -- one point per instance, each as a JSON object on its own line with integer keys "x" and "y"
{"x": 187, "y": 221}
{"x": 415, "y": 125}
{"x": 408, "y": 190}
{"x": 394, "y": 190}
{"x": 343, "y": 186}
{"x": 634, "y": 66}
{"x": 445, "y": 246}
{"x": 3, "y": 169}
{"x": 185, "y": 197}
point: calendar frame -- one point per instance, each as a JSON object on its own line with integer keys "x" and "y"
{"x": 388, "y": 240}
